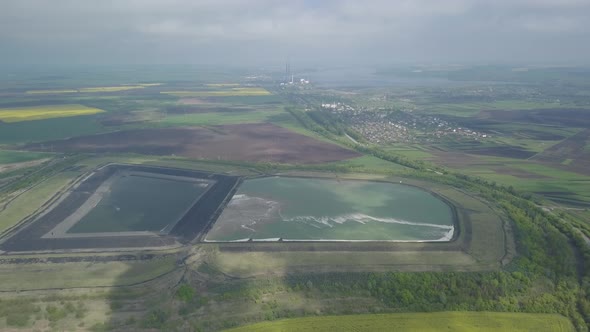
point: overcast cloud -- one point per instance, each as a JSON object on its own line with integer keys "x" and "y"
{"x": 314, "y": 32}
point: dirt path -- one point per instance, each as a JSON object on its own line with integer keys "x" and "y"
{"x": 25, "y": 164}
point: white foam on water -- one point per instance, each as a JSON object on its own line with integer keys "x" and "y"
{"x": 271, "y": 239}
{"x": 249, "y": 228}
{"x": 449, "y": 230}
{"x": 319, "y": 222}
{"x": 448, "y": 235}
{"x": 362, "y": 219}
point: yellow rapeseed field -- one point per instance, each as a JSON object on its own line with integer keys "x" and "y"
{"x": 17, "y": 114}
{"x": 249, "y": 91}
{"x": 95, "y": 89}
{"x": 424, "y": 322}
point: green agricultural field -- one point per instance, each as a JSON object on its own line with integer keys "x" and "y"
{"x": 250, "y": 264}
{"x": 248, "y": 99}
{"x": 228, "y": 92}
{"x": 409, "y": 151}
{"x": 18, "y": 114}
{"x": 29, "y": 201}
{"x": 369, "y": 164}
{"x": 424, "y": 322}
{"x": 470, "y": 109}
{"x": 556, "y": 184}
{"x": 222, "y": 118}
{"x": 551, "y": 181}
{"x": 10, "y": 156}
{"x": 18, "y": 277}
{"x": 48, "y": 129}
{"x": 92, "y": 89}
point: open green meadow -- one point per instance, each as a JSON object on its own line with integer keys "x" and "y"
{"x": 48, "y": 129}
{"x": 472, "y": 108}
{"x": 553, "y": 181}
{"x": 92, "y": 89}
{"x": 222, "y": 118}
{"x": 436, "y": 321}
{"x": 10, "y": 156}
{"x": 22, "y": 277}
{"x": 18, "y": 208}
{"x": 226, "y": 91}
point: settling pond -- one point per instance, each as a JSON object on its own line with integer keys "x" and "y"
{"x": 311, "y": 209}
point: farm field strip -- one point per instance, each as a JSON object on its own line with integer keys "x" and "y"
{"x": 18, "y": 114}
{"x": 243, "y": 142}
{"x": 557, "y": 182}
{"x": 93, "y": 89}
{"x": 246, "y": 91}
{"x": 250, "y": 264}
{"x": 425, "y": 322}
{"x": 20, "y": 277}
{"x": 473, "y": 108}
{"x": 212, "y": 118}
{"x": 14, "y": 156}
{"x": 28, "y": 202}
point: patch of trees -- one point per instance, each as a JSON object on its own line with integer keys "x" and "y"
{"x": 328, "y": 121}
{"x": 324, "y": 124}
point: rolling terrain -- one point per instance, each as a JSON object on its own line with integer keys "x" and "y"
{"x": 509, "y": 161}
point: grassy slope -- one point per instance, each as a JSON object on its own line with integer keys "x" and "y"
{"x": 542, "y": 178}
{"x": 83, "y": 274}
{"x": 247, "y": 264}
{"x": 31, "y": 200}
{"x": 10, "y": 156}
{"x": 448, "y": 321}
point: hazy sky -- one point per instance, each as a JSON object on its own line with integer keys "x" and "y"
{"x": 310, "y": 31}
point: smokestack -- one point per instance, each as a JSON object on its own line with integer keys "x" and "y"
{"x": 288, "y": 69}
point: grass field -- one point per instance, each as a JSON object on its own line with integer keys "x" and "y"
{"x": 28, "y": 202}
{"x": 549, "y": 180}
{"x": 92, "y": 89}
{"x": 14, "y": 277}
{"x": 556, "y": 184}
{"x": 48, "y": 129}
{"x": 222, "y": 85}
{"x": 10, "y": 157}
{"x": 369, "y": 164}
{"x": 221, "y": 93}
{"x": 249, "y": 264}
{"x": 438, "y": 321}
{"x": 223, "y": 118}
{"x": 10, "y": 115}
{"x": 472, "y": 108}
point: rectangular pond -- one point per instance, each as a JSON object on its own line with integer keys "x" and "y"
{"x": 138, "y": 201}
